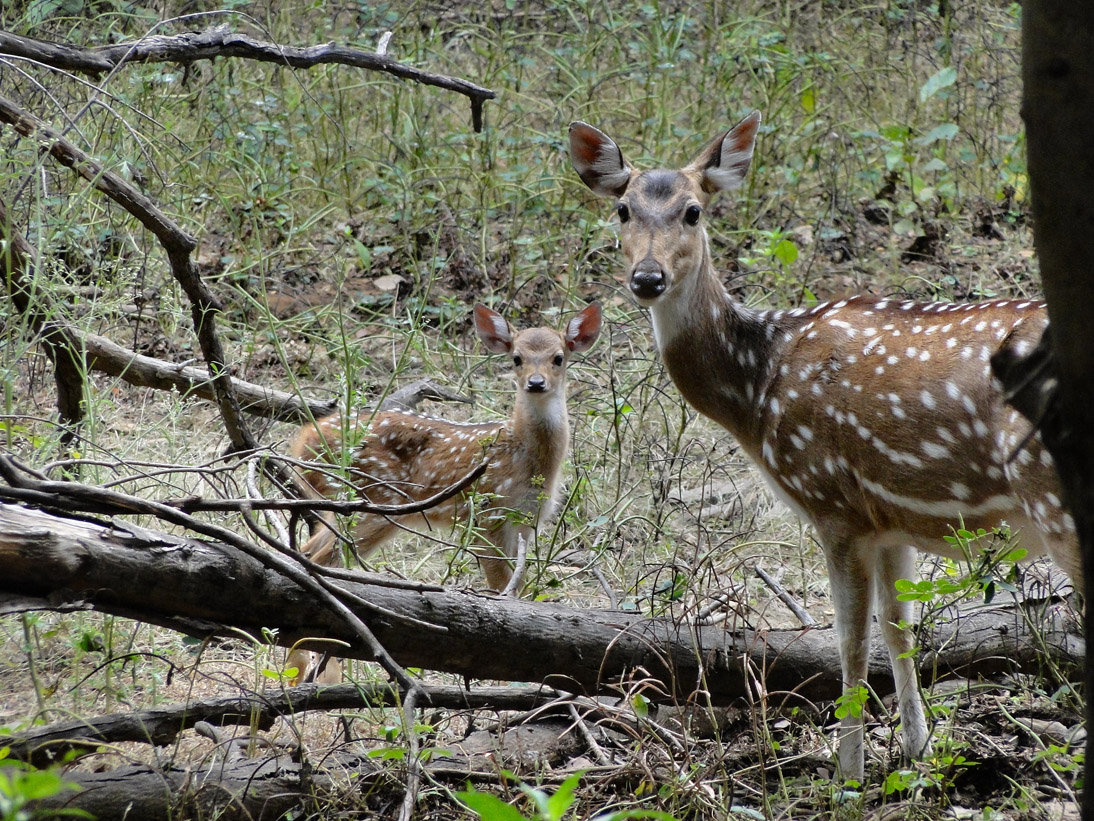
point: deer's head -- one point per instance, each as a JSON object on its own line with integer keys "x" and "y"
{"x": 660, "y": 211}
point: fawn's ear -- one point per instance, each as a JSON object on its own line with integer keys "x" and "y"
{"x": 598, "y": 161}
{"x": 724, "y": 163}
{"x": 582, "y": 330}
{"x": 493, "y": 330}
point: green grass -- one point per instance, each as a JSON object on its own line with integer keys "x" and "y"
{"x": 309, "y": 190}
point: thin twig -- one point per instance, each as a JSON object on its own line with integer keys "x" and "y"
{"x": 197, "y": 503}
{"x": 786, "y": 598}
{"x": 586, "y": 733}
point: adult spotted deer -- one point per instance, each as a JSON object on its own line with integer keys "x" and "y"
{"x": 399, "y": 457}
{"x": 878, "y": 421}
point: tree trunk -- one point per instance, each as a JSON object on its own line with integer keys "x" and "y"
{"x": 1058, "y": 109}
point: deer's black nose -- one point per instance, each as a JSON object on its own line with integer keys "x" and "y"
{"x": 648, "y": 280}
{"x": 536, "y": 384}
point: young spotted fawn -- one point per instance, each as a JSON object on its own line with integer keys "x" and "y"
{"x": 400, "y": 457}
{"x": 878, "y": 421}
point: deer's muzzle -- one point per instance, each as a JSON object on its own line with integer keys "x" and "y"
{"x": 648, "y": 280}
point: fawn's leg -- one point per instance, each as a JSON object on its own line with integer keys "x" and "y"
{"x": 497, "y": 558}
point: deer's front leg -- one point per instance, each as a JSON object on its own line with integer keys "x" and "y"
{"x": 851, "y": 567}
{"x": 899, "y": 563}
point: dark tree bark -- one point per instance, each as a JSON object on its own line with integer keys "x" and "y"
{"x": 1058, "y": 109}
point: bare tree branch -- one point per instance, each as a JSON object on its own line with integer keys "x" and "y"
{"x": 222, "y": 42}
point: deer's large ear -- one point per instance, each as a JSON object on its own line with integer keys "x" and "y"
{"x": 582, "y": 330}
{"x": 493, "y": 330}
{"x": 598, "y": 161}
{"x": 723, "y": 164}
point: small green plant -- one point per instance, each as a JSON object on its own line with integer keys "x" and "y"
{"x": 553, "y": 807}
{"x": 21, "y": 785}
{"x": 852, "y": 702}
{"x": 990, "y": 566}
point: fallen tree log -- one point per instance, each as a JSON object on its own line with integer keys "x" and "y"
{"x": 204, "y": 588}
{"x": 272, "y": 786}
{"x": 162, "y": 724}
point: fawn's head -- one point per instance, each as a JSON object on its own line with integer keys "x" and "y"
{"x": 539, "y": 355}
{"x": 661, "y": 230}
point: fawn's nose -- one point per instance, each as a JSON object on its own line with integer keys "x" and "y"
{"x": 647, "y": 279}
{"x": 536, "y": 384}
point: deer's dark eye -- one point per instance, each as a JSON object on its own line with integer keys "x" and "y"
{"x": 623, "y": 211}
{"x": 517, "y": 361}
{"x": 691, "y": 216}
{"x": 558, "y": 360}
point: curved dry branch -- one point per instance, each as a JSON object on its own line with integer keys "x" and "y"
{"x": 195, "y": 503}
{"x": 220, "y": 41}
{"x": 178, "y": 244}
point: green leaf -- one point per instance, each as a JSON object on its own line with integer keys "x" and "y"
{"x": 564, "y": 797}
{"x": 387, "y": 753}
{"x": 539, "y": 798}
{"x": 364, "y": 255}
{"x": 808, "y": 100}
{"x": 785, "y": 252}
{"x": 489, "y": 807}
{"x": 748, "y": 812}
{"x": 852, "y": 702}
{"x": 905, "y": 226}
{"x": 944, "y": 78}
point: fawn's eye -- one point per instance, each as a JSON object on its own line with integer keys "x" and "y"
{"x": 691, "y": 216}
{"x": 558, "y": 360}
{"x": 623, "y": 211}
{"x": 517, "y": 361}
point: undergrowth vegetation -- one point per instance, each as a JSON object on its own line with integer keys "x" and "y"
{"x": 349, "y": 220}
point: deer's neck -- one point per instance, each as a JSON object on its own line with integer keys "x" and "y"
{"x": 718, "y": 352}
{"x": 541, "y": 432}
